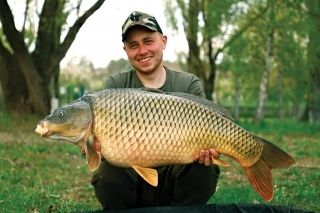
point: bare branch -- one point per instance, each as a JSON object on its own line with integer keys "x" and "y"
{"x": 78, "y": 7}
{"x": 71, "y": 35}
{"x": 25, "y": 16}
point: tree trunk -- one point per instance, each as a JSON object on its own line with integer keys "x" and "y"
{"x": 236, "y": 98}
{"x": 280, "y": 96}
{"x": 191, "y": 9}
{"x": 263, "y": 93}
{"x": 191, "y": 27}
{"x": 209, "y": 81}
{"x": 312, "y": 109}
{"x": 294, "y": 112}
{"x": 35, "y": 71}
{"x": 210, "y": 78}
{"x": 14, "y": 88}
{"x": 37, "y": 93}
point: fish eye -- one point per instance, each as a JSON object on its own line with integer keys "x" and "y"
{"x": 60, "y": 113}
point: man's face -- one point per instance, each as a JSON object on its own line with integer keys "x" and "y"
{"x": 144, "y": 49}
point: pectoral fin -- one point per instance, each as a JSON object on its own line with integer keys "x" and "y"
{"x": 148, "y": 174}
{"x": 219, "y": 162}
{"x": 93, "y": 158}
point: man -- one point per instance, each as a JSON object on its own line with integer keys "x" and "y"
{"x": 121, "y": 188}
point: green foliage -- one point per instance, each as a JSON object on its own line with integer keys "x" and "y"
{"x": 239, "y": 30}
{"x": 246, "y": 56}
{"x": 79, "y": 72}
{"x": 115, "y": 66}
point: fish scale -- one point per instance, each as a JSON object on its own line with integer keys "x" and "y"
{"x": 146, "y": 128}
{"x": 152, "y": 105}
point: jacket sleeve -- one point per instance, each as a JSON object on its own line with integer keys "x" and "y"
{"x": 110, "y": 83}
{"x": 195, "y": 86}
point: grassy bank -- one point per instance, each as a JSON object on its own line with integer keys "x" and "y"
{"x": 41, "y": 175}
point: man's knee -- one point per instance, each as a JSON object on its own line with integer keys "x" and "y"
{"x": 195, "y": 184}
{"x": 115, "y": 187}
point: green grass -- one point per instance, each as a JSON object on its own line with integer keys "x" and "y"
{"x": 38, "y": 174}
{"x": 298, "y": 186}
{"x": 42, "y": 175}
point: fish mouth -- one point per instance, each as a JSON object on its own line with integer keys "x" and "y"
{"x": 40, "y": 130}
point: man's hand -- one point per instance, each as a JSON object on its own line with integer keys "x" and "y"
{"x": 97, "y": 147}
{"x": 205, "y": 156}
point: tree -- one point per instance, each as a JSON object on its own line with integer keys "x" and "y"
{"x": 248, "y": 57}
{"x": 210, "y": 28}
{"x": 115, "y": 66}
{"x": 263, "y": 92}
{"x": 312, "y": 109}
{"x": 25, "y": 74}
{"x": 81, "y": 72}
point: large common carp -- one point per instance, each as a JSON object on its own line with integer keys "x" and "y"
{"x": 145, "y": 128}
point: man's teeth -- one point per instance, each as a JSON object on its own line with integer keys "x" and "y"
{"x": 145, "y": 59}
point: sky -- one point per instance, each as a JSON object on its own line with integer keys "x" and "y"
{"x": 99, "y": 39}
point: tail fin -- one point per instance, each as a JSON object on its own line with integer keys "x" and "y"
{"x": 259, "y": 174}
{"x": 275, "y": 157}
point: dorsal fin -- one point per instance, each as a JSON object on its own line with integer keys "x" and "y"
{"x": 217, "y": 108}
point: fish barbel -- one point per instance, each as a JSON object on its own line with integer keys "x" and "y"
{"x": 145, "y": 128}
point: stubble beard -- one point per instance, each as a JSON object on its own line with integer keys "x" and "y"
{"x": 147, "y": 70}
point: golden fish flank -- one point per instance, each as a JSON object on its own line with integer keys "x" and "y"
{"x": 145, "y": 128}
{"x": 173, "y": 131}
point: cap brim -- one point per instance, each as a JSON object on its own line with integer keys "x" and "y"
{"x": 134, "y": 25}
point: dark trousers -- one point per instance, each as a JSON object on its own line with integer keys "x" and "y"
{"x": 122, "y": 188}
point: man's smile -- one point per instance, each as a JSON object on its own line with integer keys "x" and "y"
{"x": 145, "y": 59}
